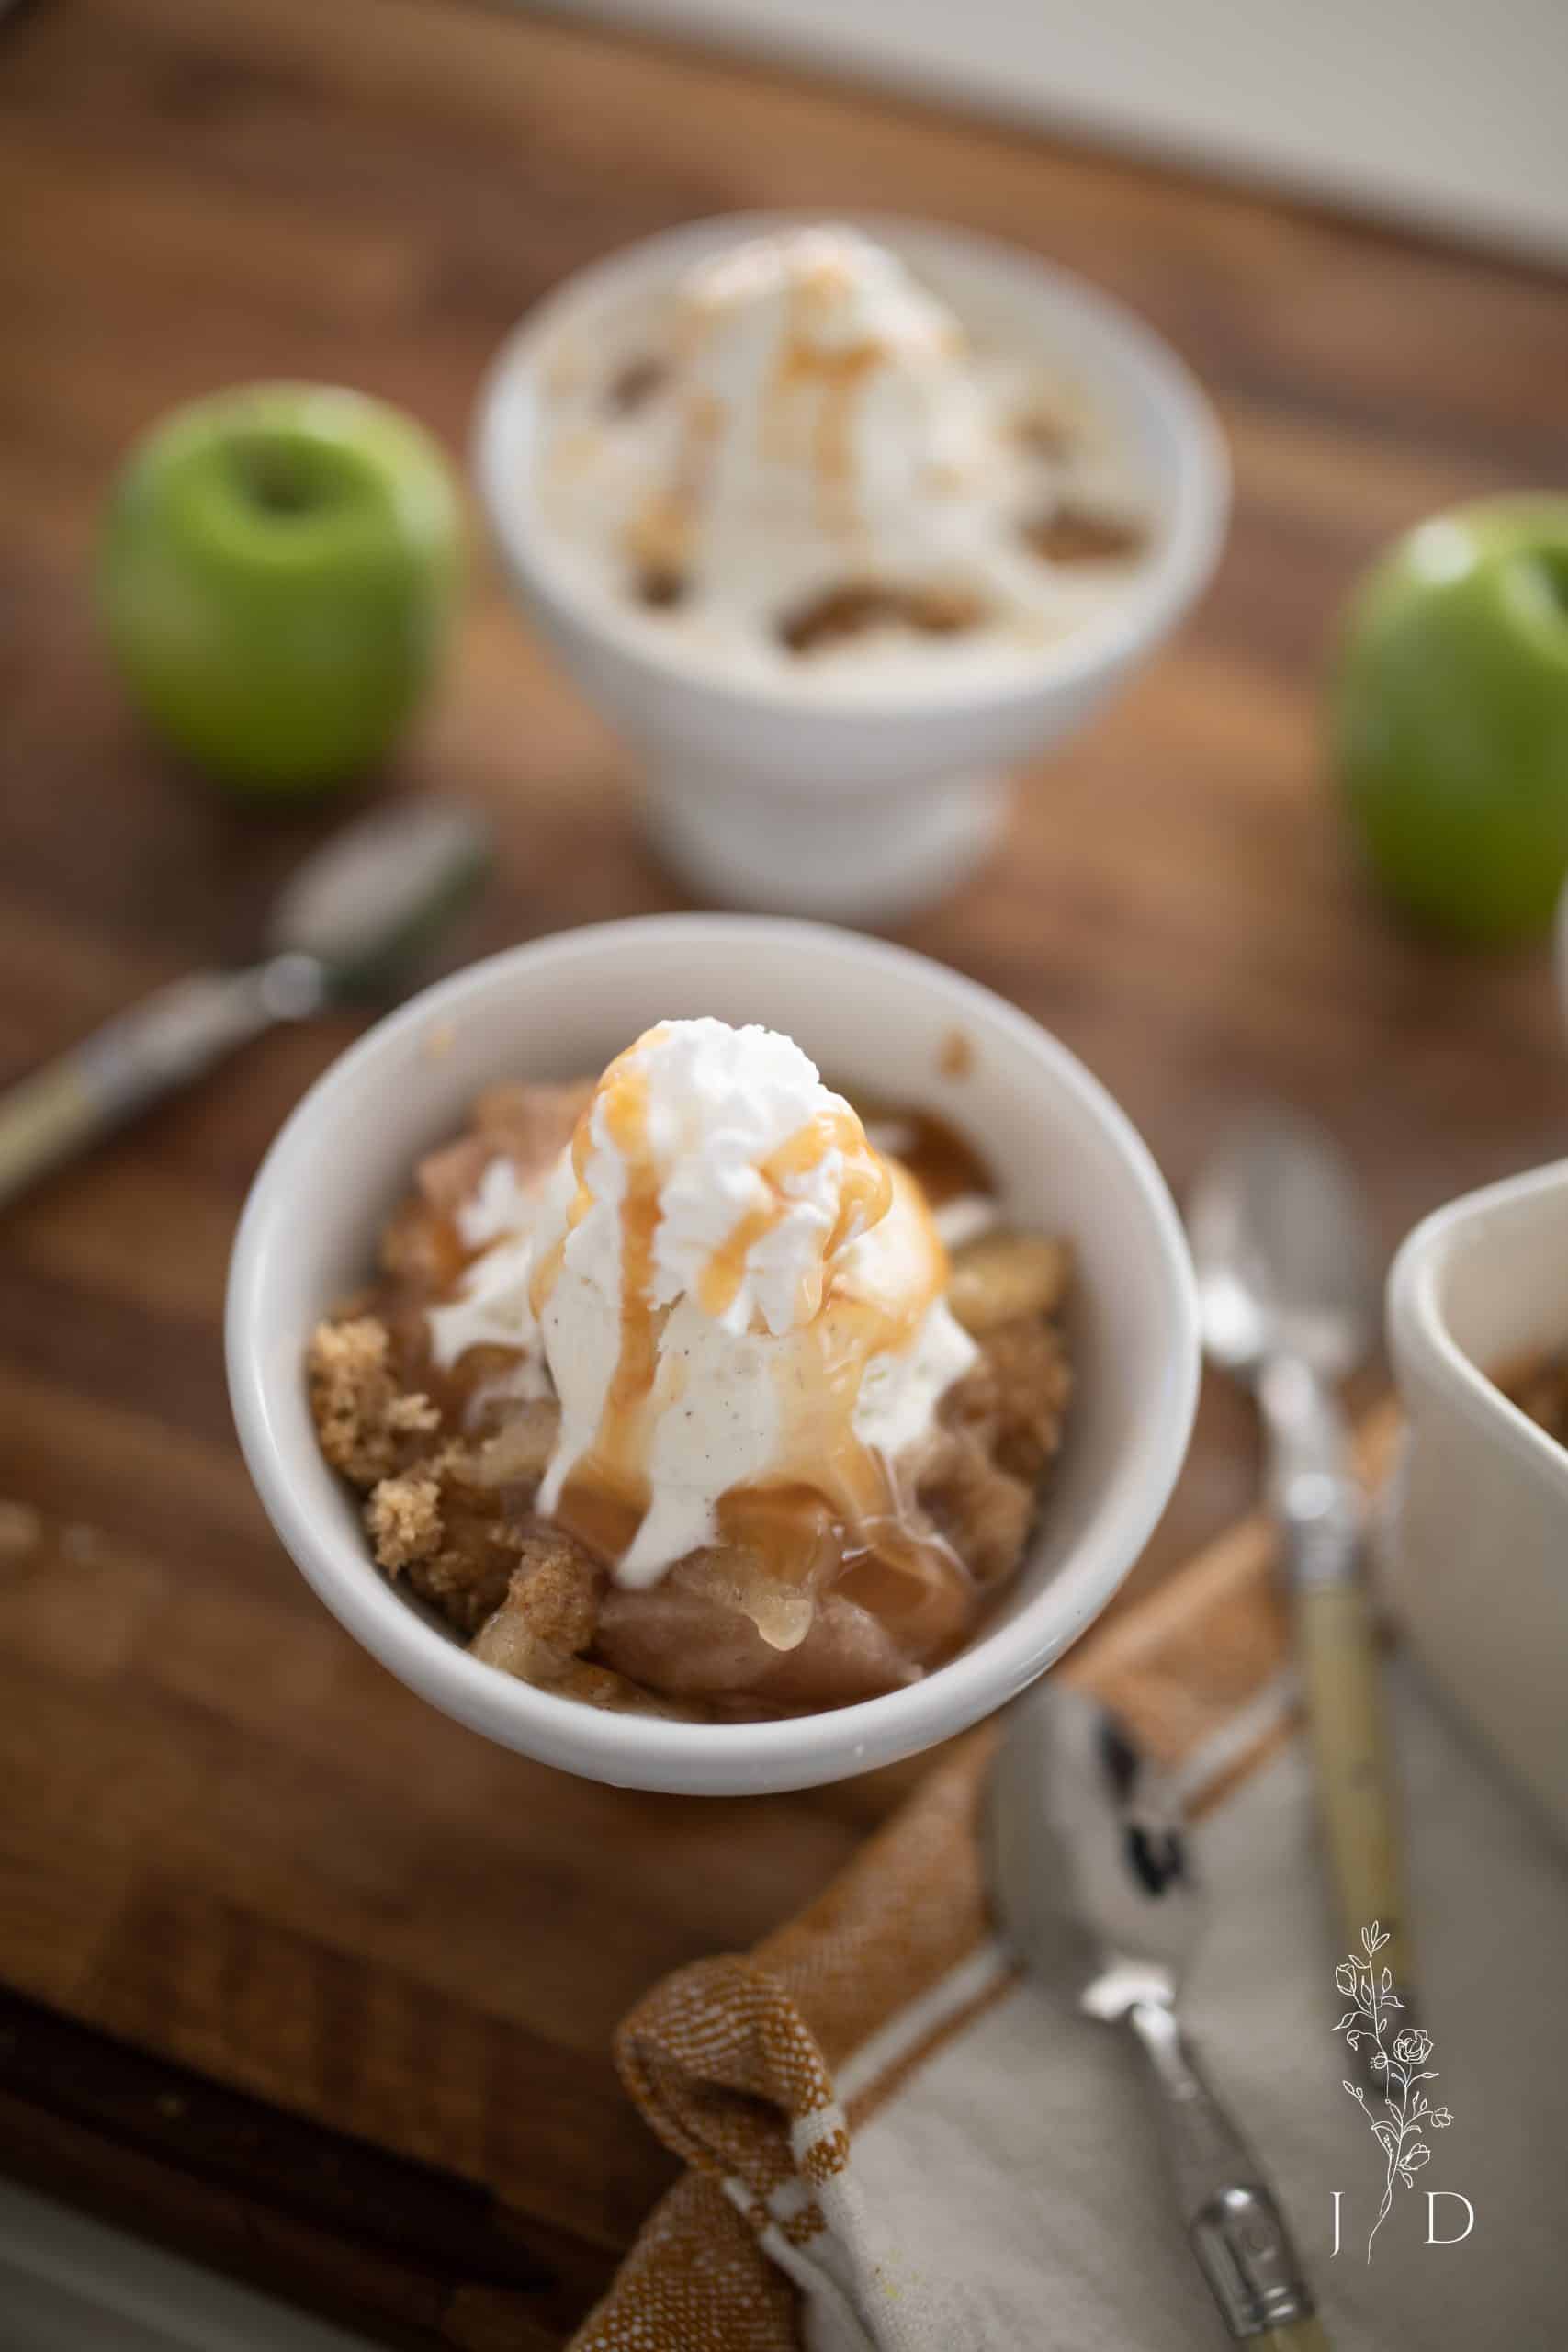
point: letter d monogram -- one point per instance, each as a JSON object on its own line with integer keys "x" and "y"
{"x": 1432, "y": 2237}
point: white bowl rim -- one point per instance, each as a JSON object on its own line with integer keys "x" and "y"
{"x": 1418, "y": 1327}
{"x": 647, "y": 1751}
{"x": 1189, "y": 542}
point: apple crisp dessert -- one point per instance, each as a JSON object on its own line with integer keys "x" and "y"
{"x": 742, "y": 1483}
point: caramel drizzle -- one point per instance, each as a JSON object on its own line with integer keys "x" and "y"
{"x": 834, "y": 1503}
{"x": 662, "y": 534}
{"x": 842, "y": 375}
{"x": 616, "y": 1461}
{"x": 865, "y": 1190}
{"x": 858, "y": 1482}
{"x": 823, "y": 1461}
{"x": 837, "y": 376}
{"x": 805, "y": 363}
{"x": 661, "y": 537}
{"x": 622, "y": 1434}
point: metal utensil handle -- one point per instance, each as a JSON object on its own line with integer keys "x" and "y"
{"x": 172, "y": 1036}
{"x": 1234, "y": 2224}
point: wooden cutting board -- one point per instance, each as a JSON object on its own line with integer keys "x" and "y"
{"x": 326, "y": 1989}
{"x": 292, "y": 1970}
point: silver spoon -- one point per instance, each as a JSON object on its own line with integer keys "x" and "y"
{"x": 1290, "y": 1291}
{"x": 355, "y": 919}
{"x": 1092, "y": 1887}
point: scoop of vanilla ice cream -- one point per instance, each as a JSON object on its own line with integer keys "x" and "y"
{"x": 828, "y": 424}
{"x": 732, "y": 1288}
{"x": 716, "y": 1106}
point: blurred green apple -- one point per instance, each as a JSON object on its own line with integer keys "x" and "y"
{"x": 278, "y": 568}
{"x": 1449, "y": 716}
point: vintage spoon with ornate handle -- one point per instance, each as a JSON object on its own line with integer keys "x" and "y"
{"x": 355, "y": 919}
{"x": 1091, "y": 1886}
{"x": 1291, "y": 1294}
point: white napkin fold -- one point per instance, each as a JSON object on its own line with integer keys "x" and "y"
{"x": 979, "y": 2169}
{"x": 1012, "y": 2195}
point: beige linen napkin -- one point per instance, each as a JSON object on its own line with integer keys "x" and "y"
{"x": 895, "y": 2146}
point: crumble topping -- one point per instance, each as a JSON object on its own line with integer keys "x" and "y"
{"x": 403, "y": 1520}
{"x": 363, "y": 1415}
{"x": 547, "y": 1616}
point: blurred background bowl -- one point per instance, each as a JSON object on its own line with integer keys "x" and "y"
{"x": 865, "y": 806}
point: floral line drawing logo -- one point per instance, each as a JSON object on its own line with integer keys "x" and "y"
{"x": 1401, "y": 2069}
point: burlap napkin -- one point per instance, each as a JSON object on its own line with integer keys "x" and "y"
{"x": 895, "y": 2146}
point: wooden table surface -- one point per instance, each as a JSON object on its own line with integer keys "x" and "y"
{"x": 295, "y": 1971}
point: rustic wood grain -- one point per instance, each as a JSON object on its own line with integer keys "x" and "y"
{"x": 266, "y": 1923}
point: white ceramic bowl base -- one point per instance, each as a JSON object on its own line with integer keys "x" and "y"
{"x": 873, "y": 1017}
{"x": 787, "y": 852}
{"x": 857, "y": 806}
{"x": 1474, "y": 1543}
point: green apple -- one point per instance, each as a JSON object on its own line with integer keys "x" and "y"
{"x": 1449, "y": 716}
{"x": 277, "y": 570}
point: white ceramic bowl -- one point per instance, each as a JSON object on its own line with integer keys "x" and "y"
{"x": 858, "y": 807}
{"x": 875, "y": 1017}
{"x": 1475, "y": 1539}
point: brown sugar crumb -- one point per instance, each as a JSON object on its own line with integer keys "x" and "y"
{"x": 860, "y": 606}
{"x": 1015, "y": 1399}
{"x": 412, "y": 1415}
{"x": 1074, "y": 534}
{"x": 550, "y": 1610}
{"x": 633, "y": 386}
{"x": 403, "y": 1518}
{"x": 464, "y": 1585}
{"x": 362, "y": 1417}
{"x": 1034, "y": 1387}
{"x": 985, "y": 1512}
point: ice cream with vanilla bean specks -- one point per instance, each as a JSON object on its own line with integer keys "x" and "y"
{"x": 735, "y": 1290}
